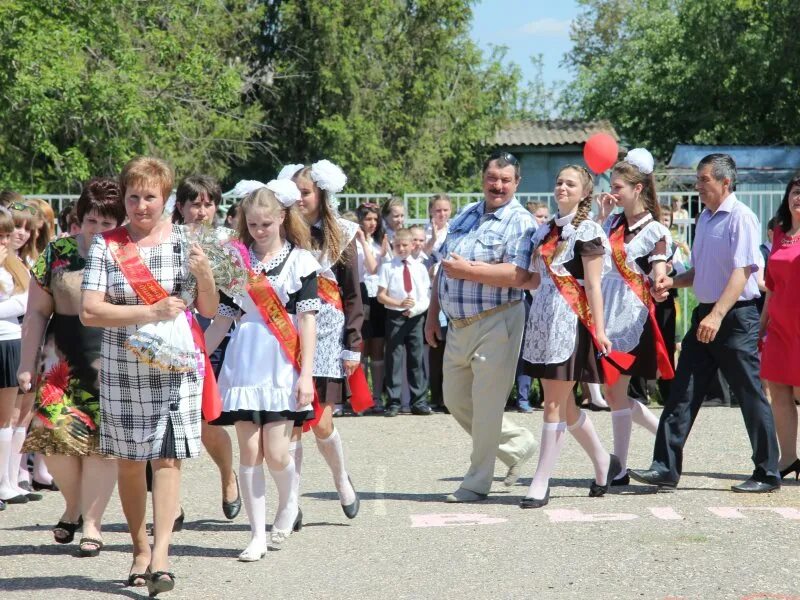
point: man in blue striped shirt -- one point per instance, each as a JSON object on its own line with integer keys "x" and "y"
{"x": 478, "y": 288}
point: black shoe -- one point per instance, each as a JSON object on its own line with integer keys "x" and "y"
{"x": 614, "y": 468}
{"x": 231, "y": 509}
{"x": 751, "y": 486}
{"x": 792, "y": 468}
{"x": 68, "y": 529}
{"x": 422, "y": 409}
{"x": 298, "y": 521}
{"x": 38, "y": 487}
{"x": 391, "y": 411}
{"x": 29, "y": 493}
{"x": 535, "y": 502}
{"x": 652, "y": 477}
{"x": 351, "y": 510}
{"x": 21, "y": 499}
{"x": 2, "y": 505}
{"x": 622, "y": 481}
{"x": 156, "y": 585}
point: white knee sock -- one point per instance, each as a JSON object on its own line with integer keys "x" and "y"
{"x": 253, "y": 488}
{"x": 17, "y": 439}
{"x": 643, "y": 416}
{"x": 287, "y": 500}
{"x": 596, "y": 394}
{"x": 40, "y": 472}
{"x": 621, "y": 425}
{"x": 24, "y": 473}
{"x": 296, "y": 453}
{"x": 331, "y": 450}
{"x": 6, "y": 489}
{"x": 376, "y": 370}
{"x": 586, "y": 435}
{"x": 549, "y": 449}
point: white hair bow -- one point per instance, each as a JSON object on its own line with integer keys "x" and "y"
{"x": 329, "y": 177}
{"x": 641, "y": 159}
{"x": 285, "y": 190}
{"x": 289, "y": 171}
{"x": 246, "y": 187}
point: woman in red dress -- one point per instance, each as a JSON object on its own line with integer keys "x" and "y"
{"x": 780, "y": 327}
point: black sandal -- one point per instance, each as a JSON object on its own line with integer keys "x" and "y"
{"x": 133, "y": 577}
{"x": 69, "y": 529}
{"x": 156, "y": 585}
{"x": 95, "y": 546}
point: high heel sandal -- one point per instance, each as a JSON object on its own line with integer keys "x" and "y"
{"x": 792, "y": 468}
{"x": 156, "y": 585}
{"x": 133, "y": 577}
{"x": 69, "y": 529}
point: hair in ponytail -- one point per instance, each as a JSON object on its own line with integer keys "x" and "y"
{"x": 631, "y": 175}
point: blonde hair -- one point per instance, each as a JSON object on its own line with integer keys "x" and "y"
{"x": 26, "y": 218}
{"x": 631, "y": 175}
{"x": 585, "y": 205}
{"x": 47, "y": 228}
{"x": 146, "y": 171}
{"x": 333, "y": 245}
{"x": 294, "y": 229}
{"x": 15, "y": 267}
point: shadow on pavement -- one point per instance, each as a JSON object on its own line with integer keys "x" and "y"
{"x": 70, "y": 582}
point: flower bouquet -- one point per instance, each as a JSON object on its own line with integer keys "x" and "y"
{"x": 168, "y": 345}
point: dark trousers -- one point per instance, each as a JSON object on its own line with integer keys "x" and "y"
{"x": 734, "y": 352}
{"x": 435, "y": 361}
{"x": 403, "y": 332}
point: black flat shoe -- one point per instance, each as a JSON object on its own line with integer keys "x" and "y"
{"x": 614, "y": 469}
{"x": 535, "y": 502}
{"x": 298, "y": 521}
{"x": 21, "y": 499}
{"x": 29, "y": 493}
{"x": 351, "y": 510}
{"x": 622, "y": 481}
{"x": 391, "y": 411}
{"x": 231, "y": 509}
{"x": 2, "y": 505}
{"x": 69, "y": 529}
{"x": 421, "y": 410}
{"x": 751, "y": 486}
{"x": 156, "y": 585}
{"x": 652, "y": 477}
{"x": 792, "y": 468}
{"x": 38, "y": 487}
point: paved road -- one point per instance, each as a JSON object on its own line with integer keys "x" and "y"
{"x": 701, "y": 542}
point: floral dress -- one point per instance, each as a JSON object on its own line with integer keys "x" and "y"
{"x": 67, "y": 409}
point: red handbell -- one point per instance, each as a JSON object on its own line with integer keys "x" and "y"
{"x": 360, "y": 395}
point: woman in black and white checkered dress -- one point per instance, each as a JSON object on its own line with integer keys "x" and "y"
{"x": 146, "y": 414}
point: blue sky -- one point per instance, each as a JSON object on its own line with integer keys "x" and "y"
{"x": 527, "y": 28}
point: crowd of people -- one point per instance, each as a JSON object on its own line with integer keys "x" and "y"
{"x": 444, "y": 317}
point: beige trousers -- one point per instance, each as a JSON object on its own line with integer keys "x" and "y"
{"x": 480, "y": 361}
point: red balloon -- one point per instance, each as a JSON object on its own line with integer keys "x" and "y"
{"x": 600, "y": 152}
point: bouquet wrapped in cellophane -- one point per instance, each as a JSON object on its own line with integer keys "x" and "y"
{"x": 168, "y": 345}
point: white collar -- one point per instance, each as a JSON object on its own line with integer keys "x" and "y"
{"x": 561, "y": 221}
{"x": 645, "y": 219}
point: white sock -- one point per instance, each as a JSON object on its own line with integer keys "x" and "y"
{"x": 596, "y": 393}
{"x": 17, "y": 439}
{"x": 24, "y": 473}
{"x": 643, "y": 416}
{"x": 621, "y": 425}
{"x": 331, "y": 450}
{"x": 552, "y": 439}
{"x": 40, "y": 472}
{"x": 296, "y": 453}
{"x": 376, "y": 370}
{"x": 253, "y": 488}
{"x": 287, "y": 500}
{"x": 6, "y": 489}
{"x": 586, "y": 435}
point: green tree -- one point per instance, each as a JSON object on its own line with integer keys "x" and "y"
{"x": 395, "y": 92}
{"x": 87, "y": 84}
{"x": 681, "y": 71}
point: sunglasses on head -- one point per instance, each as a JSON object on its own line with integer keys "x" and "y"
{"x": 504, "y": 156}
{"x": 19, "y": 206}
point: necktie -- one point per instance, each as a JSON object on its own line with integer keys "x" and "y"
{"x": 407, "y": 278}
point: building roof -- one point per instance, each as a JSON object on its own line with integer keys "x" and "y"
{"x": 754, "y": 164}
{"x": 559, "y": 132}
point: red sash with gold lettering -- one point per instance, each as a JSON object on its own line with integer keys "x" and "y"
{"x": 641, "y": 287}
{"x": 278, "y": 321}
{"x": 124, "y": 251}
{"x": 360, "y": 396}
{"x": 575, "y": 296}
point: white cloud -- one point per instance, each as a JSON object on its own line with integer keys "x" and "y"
{"x": 547, "y": 26}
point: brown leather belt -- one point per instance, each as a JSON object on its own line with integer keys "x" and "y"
{"x": 461, "y": 323}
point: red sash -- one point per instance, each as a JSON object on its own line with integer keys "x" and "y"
{"x": 360, "y": 396}
{"x": 641, "y": 287}
{"x": 278, "y": 321}
{"x": 124, "y": 251}
{"x": 575, "y": 296}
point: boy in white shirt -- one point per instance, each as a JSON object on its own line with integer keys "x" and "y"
{"x": 404, "y": 288}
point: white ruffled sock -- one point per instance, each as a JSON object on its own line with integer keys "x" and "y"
{"x": 253, "y": 488}
{"x": 6, "y": 489}
{"x": 596, "y": 395}
{"x": 621, "y": 426}
{"x": 40, "y": 472}
{"x": 552, "y": 440}
{"x": 331, "y": 450}
{"x": 643, "y": 416}
{"x": 17, "y": 440}
{"x": 296, "y": 454}
{"x": 584, "y": 432}
{"x": 287, "y": 500}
